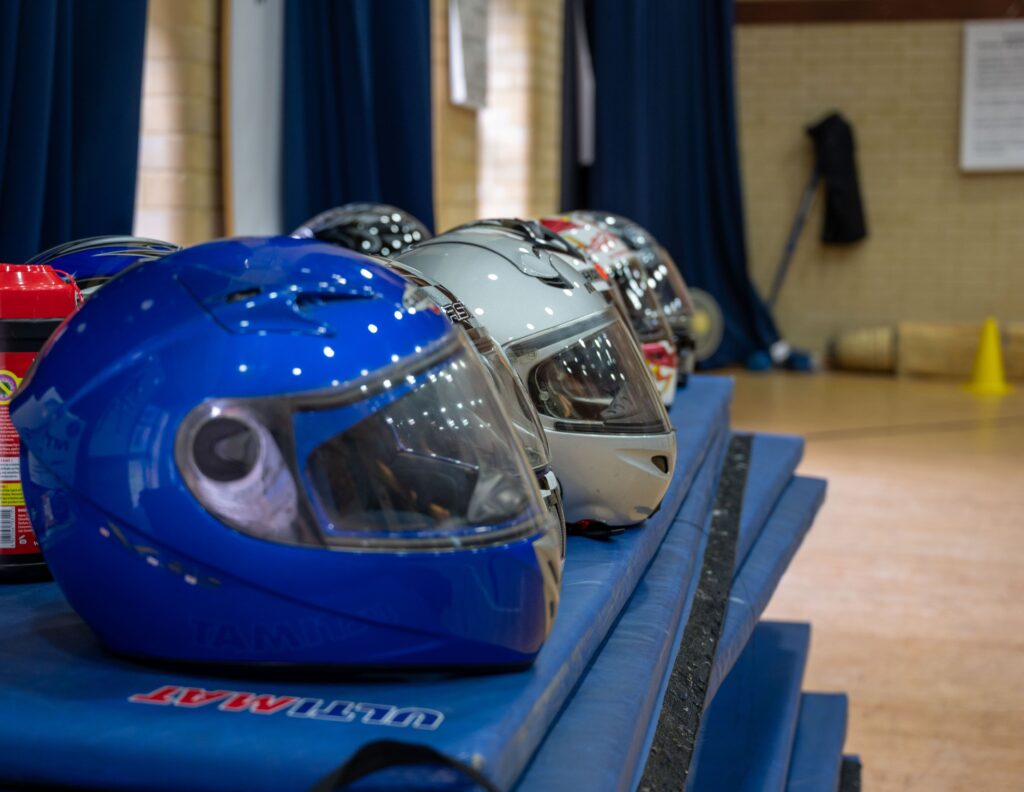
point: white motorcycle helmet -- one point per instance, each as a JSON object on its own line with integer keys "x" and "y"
{"x": 517, "y": 402}
{"x": 643, "y": 308}
{"x": 612, "y": 445}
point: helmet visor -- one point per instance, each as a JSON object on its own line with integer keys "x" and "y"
{"x": 420, "y": 456}
{"x": 645, "y": 310}
{"x": 434, "y": 462}
{"x": 672, "y": 291}
{"x": 591, "y": 378}
{"x": 517, "y": 402}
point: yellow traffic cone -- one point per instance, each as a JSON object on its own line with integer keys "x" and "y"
{"x": 988, "y": 378}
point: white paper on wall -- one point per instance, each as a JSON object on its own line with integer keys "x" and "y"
{"x": 467, "y": 52}
{"x": 255, "y": 88}
{"x": 992, "y": 102}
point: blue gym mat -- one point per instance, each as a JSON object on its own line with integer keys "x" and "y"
{"x": 773, "y": 461}
{"x": 762, "y": 570}
{"x": 609, "y": 722}
{"x": 818, "y": 749}
{"x": 66, "y": 716}
{"x": 746, "y": 740}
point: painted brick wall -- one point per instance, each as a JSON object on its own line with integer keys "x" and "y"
{"x": 179, "y": 190}
{"x": 943, "y": 245}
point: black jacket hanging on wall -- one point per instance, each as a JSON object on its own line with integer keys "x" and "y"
{"x": 837, "y": 165}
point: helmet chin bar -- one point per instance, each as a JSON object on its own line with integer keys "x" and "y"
{"x": 624, "y": 477}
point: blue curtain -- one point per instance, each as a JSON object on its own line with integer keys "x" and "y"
{"x": 357, "y": 106}
{"x": 70, "y": 94}
{"x": 666, "y": 146}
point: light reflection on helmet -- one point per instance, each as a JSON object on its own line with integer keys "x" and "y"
{"x": 95, "y": 260}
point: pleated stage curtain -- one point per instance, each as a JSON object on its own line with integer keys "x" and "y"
{"x": 356, "y": 106}
{"x": 665, "y": 146}
{"x": 70, "y": 97}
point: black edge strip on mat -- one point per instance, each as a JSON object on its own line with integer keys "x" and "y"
{"x": 849, "y": 775}
{"x": 382, "y": 754}
{"x": 668, "y": 762}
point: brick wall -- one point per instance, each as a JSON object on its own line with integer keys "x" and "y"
{"x": 455, "y": 135}
{"x": 179, "y": 189}
{"x": 520, "y": 129}
{"x": 943, "y": 245}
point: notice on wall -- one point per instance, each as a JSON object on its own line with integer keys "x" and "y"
{"x": 467, "y": 52}
{"x": 992, "y": 105}
{"x": 252, "y": 63}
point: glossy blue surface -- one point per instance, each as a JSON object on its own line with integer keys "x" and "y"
{"x": 125, "y": 537}
{"x": 101, "y": 258}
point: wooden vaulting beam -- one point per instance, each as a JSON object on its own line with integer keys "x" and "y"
{"x": 767, "y": 12}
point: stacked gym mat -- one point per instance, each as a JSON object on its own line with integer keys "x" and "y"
{"x": 583, "y": 717}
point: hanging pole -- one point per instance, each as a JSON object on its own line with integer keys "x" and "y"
{"x": 806, "y": 202}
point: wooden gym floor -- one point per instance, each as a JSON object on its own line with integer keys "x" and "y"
{"x": 913, "y": 576}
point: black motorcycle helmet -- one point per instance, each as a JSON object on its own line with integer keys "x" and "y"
{"x": 372, "y": 229}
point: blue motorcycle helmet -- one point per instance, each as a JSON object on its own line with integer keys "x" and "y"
{"x": 264, "y": 463}
{"x": 95, "y": 260}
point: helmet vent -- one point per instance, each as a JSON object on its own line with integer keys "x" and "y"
{"x": 312, "y": 300}
{"x": 242, "y": 294}
{"x": 557, "y": 281}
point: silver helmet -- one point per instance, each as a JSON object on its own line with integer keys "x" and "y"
{"x": 611, "y": 442}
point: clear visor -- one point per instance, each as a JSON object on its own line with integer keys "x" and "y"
{"x": 672, "y": 291}
{"x": 416, "y": 458}
{"x": 591, "y": 378}
{"x": 521, "y": 412}
{"x": 645, "y": 310}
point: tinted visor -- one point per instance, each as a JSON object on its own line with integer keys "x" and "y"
{"x": 591, "y": 378}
